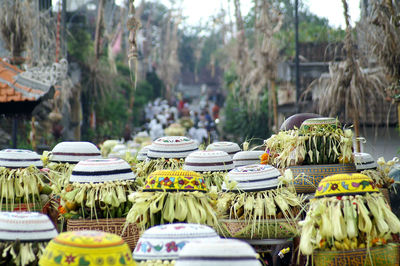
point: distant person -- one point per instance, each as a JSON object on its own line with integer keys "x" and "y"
{"x": 215, "y": 111}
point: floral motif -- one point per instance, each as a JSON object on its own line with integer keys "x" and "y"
{"x": 70, "y": 259}
{"x": 171, "y": 247}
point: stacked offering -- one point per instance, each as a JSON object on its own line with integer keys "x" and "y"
{"x": 171, "y": 197}
{"x": 243, "y": 158}
{"x": 212, "y": 165}
{"x": 166, "y": 153}
{"x": 97, "y": 196}
{"x": 230, "y": 148}
{"x": 23, "y": 237}
{"x": 22, "y": 181}
{"x": 318, "y": 149}
{"x": 64, "y": 156}
{"x": 162, "y": 244}
{"x": 349, "y": 222}
{"x": 87, "y": 248}
{"x": 377, "y": 171}
{"x": 256, "y": 206}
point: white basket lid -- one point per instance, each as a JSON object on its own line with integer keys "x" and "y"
{"x": 142, "y": 154}
{"x": 204, "y": 161}
{"x": 74, "y": 151}
{"x": 15, "y": 158}
{"x": 169, "y": 147}
{"x": 364, "y": 161}
{"x": 221, "y": 252}
{"x": 26, "y": 226}
{"x": 229, "y": 147}
{"x": 243, "y": 158}
{"x": 164, "y": 242}
{"x": 255, "y": 177}
{"x": 102, "y": 170}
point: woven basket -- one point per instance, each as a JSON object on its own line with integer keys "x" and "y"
{"x": 315, "y": 173}
{"x": 114, "y": 225}
{"x": 264, "y": 229}
{"x": 381, "y": 256}
{"x": 22, "y": 207}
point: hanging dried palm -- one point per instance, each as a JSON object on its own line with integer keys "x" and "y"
{"x": 384, "y": 36}
{"x": 350, "y": 90}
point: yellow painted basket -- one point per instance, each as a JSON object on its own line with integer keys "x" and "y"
{"x": 85, "y": 248}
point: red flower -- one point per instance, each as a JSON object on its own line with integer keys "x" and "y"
{"x": 70, "y": 259}
{"x": 152, "y": 181}
{"x": 171, "y": 246}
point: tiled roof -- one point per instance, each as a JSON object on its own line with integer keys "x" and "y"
{"x": 13, "y": 87}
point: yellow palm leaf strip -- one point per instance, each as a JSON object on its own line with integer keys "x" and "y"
{"x": 193, "y": 211}
{"x": 169, "y": 208}
{"x": 390, "y": 218}
{"x": 377, "y": 212}
{"x": 201, "y": 205}
{"x": 308, "y": 233}
{"x": 364, "y": 221}
{"x": 181, "y": 208}
{"x": 338, "y": 223}
{"x": 323, "y": 208}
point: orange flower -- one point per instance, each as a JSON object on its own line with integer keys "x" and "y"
{"x": 264, "y": 158}
{"x": 62, "y": 210}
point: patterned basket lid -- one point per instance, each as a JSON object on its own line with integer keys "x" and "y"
{"x": 14, "y": 158}
{"x": 229, "y": 147}
{"x": 164, "y": 242}
{"x": 255, "y": 177}
{"x": 243, "y": 158}
{"x": 364, "y": 161}
{"x": 177, "y": 180}
{"x": 172, "y": 147}
{"x": 26, "y": 226}
{"x": 319, "y": 122}
{"x": 204, "y": 161}
{"x": 142, "y": 154}
{"x": 345, "y": 184}
{"x": 102, "y": 170}
{"x": 221, "y": 252}
{"x": 87, "y": 248}
{"x": 74, "y": 151}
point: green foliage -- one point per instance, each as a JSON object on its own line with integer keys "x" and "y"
{"x": 79, "y": 44}
{"x": 240, "y": 121}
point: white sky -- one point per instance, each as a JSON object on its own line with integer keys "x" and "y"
{"x": 200, "y": 10}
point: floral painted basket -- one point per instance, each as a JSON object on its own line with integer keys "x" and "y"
{"x": 116, "y": 226}
{"x": 264, "y": 229}
{"x": 380, "y": 256}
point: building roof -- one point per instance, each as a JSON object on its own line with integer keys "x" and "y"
{"x": 16, "y": 87}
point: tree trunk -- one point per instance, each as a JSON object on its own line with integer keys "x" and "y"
{"x": 274, "y": 104}
{"x": 357, "y": 130}
{"x": 97, "y": 35}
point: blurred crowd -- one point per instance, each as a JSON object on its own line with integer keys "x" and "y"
{"x": 184, "y": 118}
